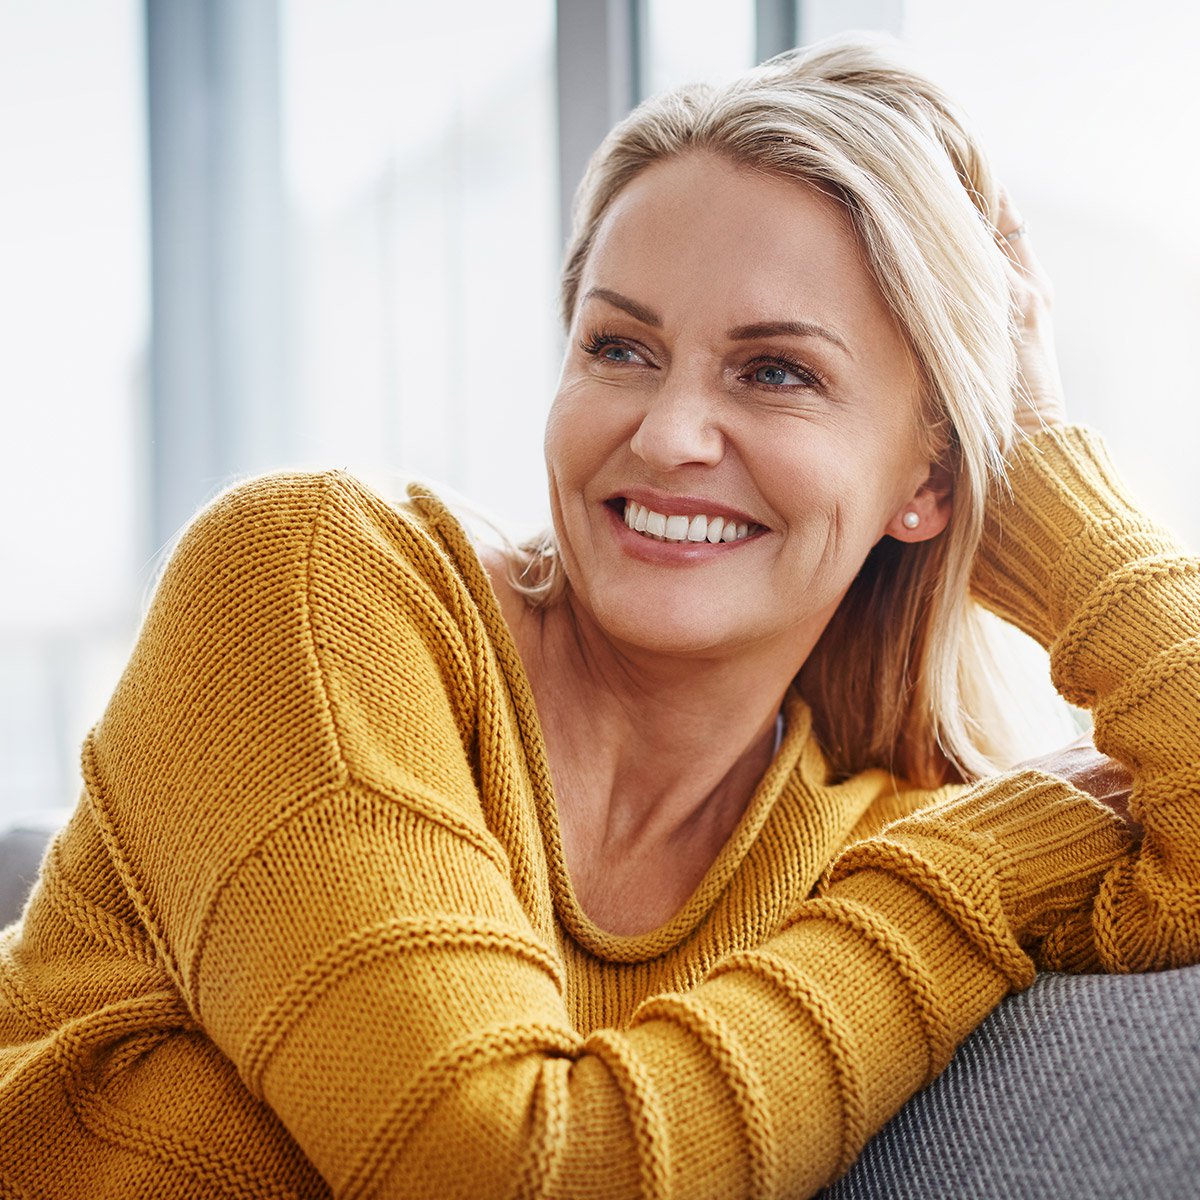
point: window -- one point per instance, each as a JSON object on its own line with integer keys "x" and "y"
{"x": 420, "y": 180}
{"x": 74, "y": 310}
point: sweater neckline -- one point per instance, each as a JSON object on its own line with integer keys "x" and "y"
{"x": 639, "y": 947}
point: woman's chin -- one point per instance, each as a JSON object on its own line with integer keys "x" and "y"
{"x": 675, "y": 627}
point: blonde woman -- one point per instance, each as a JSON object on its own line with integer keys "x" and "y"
{"x": 669, "y": 855}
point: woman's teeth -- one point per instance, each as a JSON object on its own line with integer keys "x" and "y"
{"x": 683, "y": 529}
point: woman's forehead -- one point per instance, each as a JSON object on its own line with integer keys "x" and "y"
{"x": 699, "y": 239}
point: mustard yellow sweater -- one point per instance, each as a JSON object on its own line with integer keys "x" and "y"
{"x": 309, "y": 931}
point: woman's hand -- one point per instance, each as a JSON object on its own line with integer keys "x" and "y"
{"x": 1039, "y": 400}
{"x": 1104, "y": 779}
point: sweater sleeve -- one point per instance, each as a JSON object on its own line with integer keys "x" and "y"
{"x": 1071, "y": 560}
{"x": 284, "y": 781}
{"x": 1116, "y": 600}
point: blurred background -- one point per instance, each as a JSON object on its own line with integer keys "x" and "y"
{"x": 237, "y": 235}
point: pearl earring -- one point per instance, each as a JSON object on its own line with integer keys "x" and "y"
{"x": 910, "y": 520}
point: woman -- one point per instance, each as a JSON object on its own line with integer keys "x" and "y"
{"x": 407, "y": 870}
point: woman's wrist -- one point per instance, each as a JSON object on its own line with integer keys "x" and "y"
{"x": 1045, "y": 844}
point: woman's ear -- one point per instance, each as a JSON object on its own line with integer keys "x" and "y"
{"x": 927, "y": 511}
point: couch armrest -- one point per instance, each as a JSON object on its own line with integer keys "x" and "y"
{"x": 21, "y": 851}
{"x": 1084, "y": 1085}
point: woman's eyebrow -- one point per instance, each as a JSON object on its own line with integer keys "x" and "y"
{"x": 646, "y": 315}
{"x": 743, "y": 333}
{"x": 764, "y": 329}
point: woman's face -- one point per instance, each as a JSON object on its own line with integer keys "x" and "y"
{"x": 730, "y": 357}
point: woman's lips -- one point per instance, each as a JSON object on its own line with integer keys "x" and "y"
{"x": 651, "y": 549}
{"x": 669, "y": 505}
{"x": 685, "y": 527}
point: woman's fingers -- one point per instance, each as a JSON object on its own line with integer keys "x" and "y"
{"x": 1017, "y": 244}
{"x": 1039, "y": 401}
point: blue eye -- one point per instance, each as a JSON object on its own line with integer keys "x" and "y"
{"x": 775, "y": 376}
{"x": 608, "y": 348}
{"x": 782, "y": 375}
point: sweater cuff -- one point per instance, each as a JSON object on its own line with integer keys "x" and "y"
{"x": 1031, "y": 840}
{"x": 1064, "y": 522}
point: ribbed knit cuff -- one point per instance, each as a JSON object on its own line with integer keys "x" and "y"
{"x": 1045, "y": 845}
{"x": 1066, "y": 523}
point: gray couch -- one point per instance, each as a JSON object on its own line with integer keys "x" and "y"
{"x": 1082, "y": 1086}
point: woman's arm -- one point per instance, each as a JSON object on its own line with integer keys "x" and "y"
{"x": 1071, "y": 560}
{"x": 1117, "y": 603}
{"x": 1114, "y": 598}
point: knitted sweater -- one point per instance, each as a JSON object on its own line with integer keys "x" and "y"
{"x": 310, "y": 931}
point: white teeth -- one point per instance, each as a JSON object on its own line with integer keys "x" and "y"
{"x": 679, "y": 528}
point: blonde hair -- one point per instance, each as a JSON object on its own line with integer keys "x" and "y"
{"x": 899, "y": 676}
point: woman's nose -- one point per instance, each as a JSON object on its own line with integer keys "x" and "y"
{"x": 678, "y": 427}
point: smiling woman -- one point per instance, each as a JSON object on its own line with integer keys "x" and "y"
{"x": 658, "y": 857}
{"x": 864, "y": 415}
{"x": 697, "y": 385}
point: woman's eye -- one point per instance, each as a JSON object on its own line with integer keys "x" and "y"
{"x": 607, "y": 348}
{"x": 783, "y": 375}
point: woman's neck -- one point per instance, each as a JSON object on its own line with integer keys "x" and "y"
{"x": 648, "y": 750}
